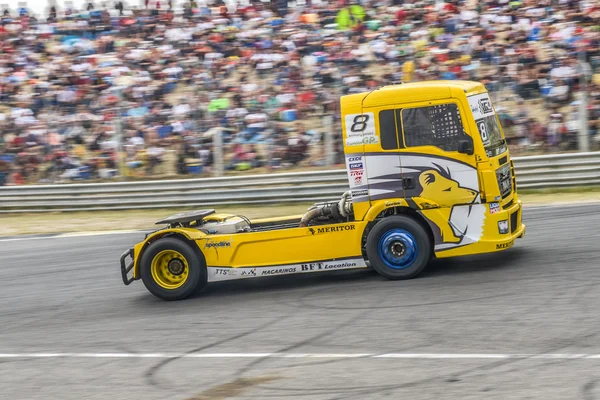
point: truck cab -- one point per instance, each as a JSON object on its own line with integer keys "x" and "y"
{"x": 435, "y": 150}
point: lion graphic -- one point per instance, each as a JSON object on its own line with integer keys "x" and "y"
{"x": 455, "y": 223}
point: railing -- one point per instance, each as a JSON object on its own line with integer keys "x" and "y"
{"x": 535, "y": 172}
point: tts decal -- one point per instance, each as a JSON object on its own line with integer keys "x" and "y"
{"x": 226, "y": 271}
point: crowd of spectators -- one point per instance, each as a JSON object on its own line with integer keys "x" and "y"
{"x": 113, "y": 90}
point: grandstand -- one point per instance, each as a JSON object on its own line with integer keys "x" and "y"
{"x": 100, "y": 93}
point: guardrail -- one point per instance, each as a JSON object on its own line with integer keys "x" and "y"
{"x": 535, "y": 172}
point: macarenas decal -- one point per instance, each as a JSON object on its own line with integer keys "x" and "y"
{"x": 216, "y": 274}
{"x": 452, "y": 185}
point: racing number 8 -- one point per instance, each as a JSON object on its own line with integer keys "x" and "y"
{"x": 359, "y": 123}
{"x": 483, "y": 131}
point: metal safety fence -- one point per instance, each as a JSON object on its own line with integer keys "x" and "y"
{"x": 534, "y": 172}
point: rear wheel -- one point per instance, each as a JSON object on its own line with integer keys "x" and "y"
{"x": 171, "y": 269}
{"x": 398, "y": 247}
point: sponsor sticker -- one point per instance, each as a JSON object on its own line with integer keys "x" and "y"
{"x": 357, "y": 177}
{"x": 248, "y": 272}
{"x": 356, "y": 170}
{"x": 359, "y": 141}
{"x": 485, "y": 106}
{"x": 331, "y": 229}
{"x": 481, "y": 106}
{"x": 359, "y": 193}
{"x": 223, "y": 274}
{"x": 226, "y": 271}
{"x": 393, "y": 203}
{"x": 505, "y": 245}
{"x": 340, "y": 228}
{"x": 428, "y": 206}
{"x": 278, "y": 271}
{"x": 494, "y": 208}
{"x": 358, "y": 125}
{"x": 223, "y": 243}
{"x": 321, "y": 266}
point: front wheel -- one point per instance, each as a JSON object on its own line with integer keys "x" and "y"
{"x": 398, "y": 247}
{"x": 171, "y": 269}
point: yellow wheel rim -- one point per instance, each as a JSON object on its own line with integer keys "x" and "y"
{"x": 169, "y": 269}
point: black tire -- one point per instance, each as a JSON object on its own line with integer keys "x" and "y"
{"x": 399, "y": 237}
{"x": 197, "y": 276}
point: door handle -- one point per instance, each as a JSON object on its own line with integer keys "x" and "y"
{"x": 408, "y": 183}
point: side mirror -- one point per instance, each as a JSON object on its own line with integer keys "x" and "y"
{"x": 466, "y": 147}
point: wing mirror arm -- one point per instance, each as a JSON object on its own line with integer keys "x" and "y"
{"x": 466, "y": 147}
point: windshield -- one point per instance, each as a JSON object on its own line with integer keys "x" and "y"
{"x": 489, "y": 128}
{"x": 487, "y": 124}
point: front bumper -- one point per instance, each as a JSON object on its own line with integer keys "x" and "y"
{"x": 513, "y": 216}
{"x": 492, "y": 239}
{"x": 125, "y": 269}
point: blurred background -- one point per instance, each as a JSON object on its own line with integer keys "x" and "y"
{"x": 115, "y": 90}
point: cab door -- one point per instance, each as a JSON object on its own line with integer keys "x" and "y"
{"x": 437, "y": 154}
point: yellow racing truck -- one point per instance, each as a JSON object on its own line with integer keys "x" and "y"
{"x": 429, "y": 173}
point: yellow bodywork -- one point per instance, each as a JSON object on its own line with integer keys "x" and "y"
{"x": 268, "y": 248}
{"x": 450, "y": 208}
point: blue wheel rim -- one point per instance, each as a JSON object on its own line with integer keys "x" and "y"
{"x": 398, "y": 249}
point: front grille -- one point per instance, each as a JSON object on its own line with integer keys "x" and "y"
{"x": 503, "y": 160}
{"x": 514, "y": 220}
{"x": 505, "y": 182}
{"x": 509, "y": 204}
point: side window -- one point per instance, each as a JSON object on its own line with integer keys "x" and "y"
{"x": 387, "y": 130}
{"x": 438, "y": 126}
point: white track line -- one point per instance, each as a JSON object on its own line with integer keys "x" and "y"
{"x": 434, "y": 356}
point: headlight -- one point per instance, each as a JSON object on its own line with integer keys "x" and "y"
{"x": 503, "y": 227}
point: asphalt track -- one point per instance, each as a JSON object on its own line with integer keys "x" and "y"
{"x": 505, "y": 326}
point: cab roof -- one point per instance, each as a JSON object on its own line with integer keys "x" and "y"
{"x": 413, "y": 92}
